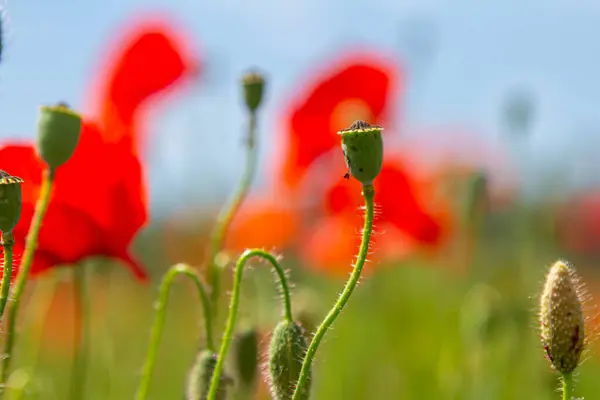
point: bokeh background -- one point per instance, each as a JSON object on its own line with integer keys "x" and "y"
{"x": 502, "y": 90}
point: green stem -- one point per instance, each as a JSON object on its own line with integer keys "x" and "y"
{"x": 159, "y": 321}
{"x": 8, "y": 242}
{"x": 368, "y": 193}
{"x": 567, "y": 383}
{"x": 26, "y": 263}
{"x": 233, "y": 309}
{"x": 81, "y": 300}
{"x": 229, "y": 211}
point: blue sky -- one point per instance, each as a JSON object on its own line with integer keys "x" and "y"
{"x": 484, "y": 49}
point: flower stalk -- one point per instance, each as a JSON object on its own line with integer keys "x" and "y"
{"x": 159, "y": 322}
{"x": 234, "y": 305}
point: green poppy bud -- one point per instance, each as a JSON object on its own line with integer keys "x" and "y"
{"x": 254, "y": 85}
{"x": 10, "y": 201}
{"x": 286, "y": 353}
{"x": 246, "y": 357}
{"x": 200, "y": 376}
{"x": 561, "y": 318}
{"x": 59, "y": 129}
{"x": 363, "y": 150}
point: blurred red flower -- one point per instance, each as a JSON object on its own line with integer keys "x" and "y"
{"x": 98, "y": 201}
{"x": 360, "y": 86}
{"x": 321, "y": 220}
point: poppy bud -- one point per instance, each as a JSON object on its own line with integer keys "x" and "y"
{"x": 59, "y": 129}
{"x": 286, "y": 353}
{"x": 561, "y": 318}
{"x": 363, "y": 150}
{"x": 254, "y": 85}
{"x": 200, "y": 376}
{"x": 246, "y": 357}
{"x": 10, "y": 201}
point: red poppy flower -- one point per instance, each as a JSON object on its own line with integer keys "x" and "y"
{"x": 358, "y": 87}
{"x": 98, "y": 202}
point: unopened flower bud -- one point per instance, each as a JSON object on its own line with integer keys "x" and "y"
{"x": 246, "y": 357}
{"x": 561, "y": 318}
{"x": 59, "y": 129}
{"x": 200, "y": 377}
{"x": 286, "y": 353}
{"x": 363, "y": 150}
{"x": 254, "y": 85}
{"x": 10, "y": 201}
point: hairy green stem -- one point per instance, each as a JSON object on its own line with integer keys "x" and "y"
{"x": 159, "y": 321}
{"x": 81, "y": 300}
{"x": 7, "y": 242}
{"x": 567, "y": 384}
{"x": 369, "y": 194}
{"x": 26, "y": 263}
{"x": 234, "y": 305}
{"x": 229, "y": 211}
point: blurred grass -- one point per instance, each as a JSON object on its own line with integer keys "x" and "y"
{"x": 418, "y": 329}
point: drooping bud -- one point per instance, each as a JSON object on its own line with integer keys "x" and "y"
{"x": 59, "y": 129}
{"x": 286, "y": 353}
{"x": 246, "y": 357}
{"x": 363, "y": 150}
{"x": 10, "y": 201}
{"x": 200, "y": 376}
{"x": 254, "y": 86}
{"x": 561, "y": 318}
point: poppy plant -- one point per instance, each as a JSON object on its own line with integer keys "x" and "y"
{"x": 309, "y": 210}
{"x": 98, "y": 201}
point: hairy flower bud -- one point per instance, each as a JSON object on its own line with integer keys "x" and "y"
{"x": 58, "y": 134}
{"x": 561, "y": 318}
{"x": 200, "y": 376}
{"x": 246, "y": 357}
{"x": 363, "y": 150}
{"x": 286, "y": 353}
{"x": 254, "y": 86}
{"x": 10, "y": 201}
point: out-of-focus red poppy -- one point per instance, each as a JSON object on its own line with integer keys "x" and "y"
{"x": 403, "y": 222}
{"x": 98, "y": 202}
{"x": 579, "y": 223}
{"x": 321, "y": 221}
{"x": 359, "y": 86}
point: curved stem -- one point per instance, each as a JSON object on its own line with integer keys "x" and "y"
{"x": 233, "y": 309}
{"x": 368, "y": 193}
{"x": 159, "y": 321}
{"x": 229, "y": 211}
{"x": 26, "y": 263}
{"x": 567, "y": 383}
{"x": 81, "y": 300}
{"x": 7, "y": 242}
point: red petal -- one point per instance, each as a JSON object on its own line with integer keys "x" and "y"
{"x": 144, "y": 60}
{"x": 311, "y": 125}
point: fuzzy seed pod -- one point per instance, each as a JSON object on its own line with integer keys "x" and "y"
{"x": 59, "y": 129}
{"x": 363, "y": 150}
{"x": 246, "y": 357}
{"x": 286, "y": 353}
{"x": 10, "y": 201}
{"x": 254, "y": 86}
{"x": 200, "y": 376}
{"x": 561, "y": 318}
